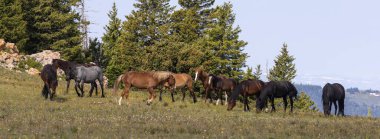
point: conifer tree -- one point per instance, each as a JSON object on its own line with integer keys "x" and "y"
{"x": 258, "y": 72}
{"x": 249, "y": 74}
{"x": 284, "y": 68}
{"x": 112, "y": 33}
{"x": 12, "y": 23}
{"x": 224, "y": 50}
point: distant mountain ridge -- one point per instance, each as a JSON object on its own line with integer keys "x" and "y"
{"x": 357, "y": 102}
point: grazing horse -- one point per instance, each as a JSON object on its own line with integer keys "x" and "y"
{"x": 221, "y": 83}
{"x": 49, "y": 76}
{"x": 68, "y": 68}
{"x": 204, "y": 77}
{"x": 84, "y": 74}
{"x": 182, "y": 80}
{"x": 144, "y": 80}
{"x": 245, "y": 88}
{"x": 277, "y": 89}
{"x": 331, "y": 94}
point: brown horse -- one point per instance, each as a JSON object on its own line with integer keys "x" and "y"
{"x": 204, "y": 77}
{"x": 221, "y": 84}
{"x": 245, "y": 88}
{"x": 49, "y": 76}
{"x": 182, "y": 80}
{"x": 144, "y": 80}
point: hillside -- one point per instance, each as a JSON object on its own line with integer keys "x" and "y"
{"x": 25, "y": 114}
{"x": 357, "y": 103}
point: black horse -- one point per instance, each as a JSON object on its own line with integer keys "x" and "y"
{"x": 220, "y": 84}
{"x": 49, "y": 77}
{"x": 245, "y": 88}
{"x": 331, "y": 94}
{"x": 69, "y": 68}
{"x": 277, "y": 89}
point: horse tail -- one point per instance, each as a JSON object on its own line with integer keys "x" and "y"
{"x": 117, "y": 82}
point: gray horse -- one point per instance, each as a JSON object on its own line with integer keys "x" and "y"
{"x": 87, "y": 75}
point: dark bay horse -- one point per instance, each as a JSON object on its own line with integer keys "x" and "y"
{"x": 331, "y": 94}
{"x": 245, "y": 88}
{"x": 182, "y": 81}
{"x": 84, "y": 74}
{"x": 277, "y": 89}
{"x": 220, "y": 84}
{"x": 68, "y": 68}
{"x": 204, "y": 78}
{"x": 144, "y": 80}
{"x": 49, "y": 76}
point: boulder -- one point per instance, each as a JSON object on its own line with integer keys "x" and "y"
{"x": 32, "y": 71}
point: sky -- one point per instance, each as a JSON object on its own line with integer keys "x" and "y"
{"x": 332, "y": 40}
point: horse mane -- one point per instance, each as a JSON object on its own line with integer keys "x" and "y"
{"x": 161, "y": 75}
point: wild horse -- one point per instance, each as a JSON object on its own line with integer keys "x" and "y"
{"x": 182, "y": 81}
{"x": 245, "y": 88}
{"x": 221, "y": 84}
{"x": 144, "y": 80}
{"x": 68, "y": 68}
{"x": 49, "y": 76}
{"x": 84, "y": 74}
{"x": 331, "y": 94}
{"x": 277, "y": 89}
{"x": 204, "y": 77}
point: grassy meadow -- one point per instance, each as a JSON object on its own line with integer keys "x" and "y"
{"x": 24, "y": 113}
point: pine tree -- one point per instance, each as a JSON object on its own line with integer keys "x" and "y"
{"x": 248, "y": 74}
{"x": 111, "y": 35}
{"x": 53, "y": 24}
{"x": 284, "y": 68}
{"x": 12, "y": 23}
{"x": 258, "y": 72}
{"x": 142, "y": 39}
{"x": 224, "y": 50}
{"x": 305, "y": 103}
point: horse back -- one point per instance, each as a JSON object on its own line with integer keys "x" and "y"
{"x": 141, "y": 80}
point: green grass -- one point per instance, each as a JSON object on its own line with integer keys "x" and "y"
{"x": 25, "y": 114}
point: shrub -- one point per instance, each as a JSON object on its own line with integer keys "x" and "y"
{"x": 29, "y": 63}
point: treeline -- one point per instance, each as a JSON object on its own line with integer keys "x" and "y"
{"x": 36, "y": 25}
{"x": 157, "y": 37}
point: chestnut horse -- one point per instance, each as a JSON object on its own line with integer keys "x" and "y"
{"x": 221, "y": 84}
{"x": 245, "y": 88}
{"x": 204, "y": 77}
{"x": 182, "y": 80}
{"x": 49, "y": 76}
{"x": 144, "y": 80}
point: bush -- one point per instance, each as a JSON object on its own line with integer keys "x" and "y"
{"x": 29, "y": 63}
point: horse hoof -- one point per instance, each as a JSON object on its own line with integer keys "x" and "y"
{"x": 103, "y": 96}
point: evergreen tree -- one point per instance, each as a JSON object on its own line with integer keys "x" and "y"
{"x": 248, "y": 74}
{"x": 12, "y": 23}
{"x": 109, "y": 38}
{"x": 94, "y": 52}
{"x": 305, "y": 103}
{"x": 53, "y": 24}
{"x": 223, "y": 49}
{"x": 142, "y": 39}
{"x": 284, "y": 68}
{"x": 258, "y": 72}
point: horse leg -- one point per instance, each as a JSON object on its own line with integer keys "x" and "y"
{"x": 125, "y": 93}
{"x": 67, "y": 86}
{"x": 291, "y": 104}
{"x": 160, "y": 98}
{"x": 183, "y": 93}
{"x": 96, "y": 88}
{"x": 285, "y": 103}
{"x": 335, "y": 107}
{"x": 81, "y": 87}
{"x": 76, "y": 88}
{"x": 172, "y": 93}
{"x": 226, "y": 97}
{"x": 272, "y": 101}
{"x": 92, "y": 89}
{"x": 45, "y": 91}
{"x": 206, "y": 94}
{"x": 101, "y": 87}
{"x": 330, "y": 104}
{"x": 151, "y": 97}
{"x": 190, "y": 88}
{"x": 219, "y": 95}
{"x": 53, "y": 87}
{"x": 341, "y": 107}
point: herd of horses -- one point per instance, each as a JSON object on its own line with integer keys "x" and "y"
{"x": 212, "y": 84}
